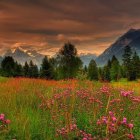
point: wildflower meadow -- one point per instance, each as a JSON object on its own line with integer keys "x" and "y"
{"x": 37, "y": 109}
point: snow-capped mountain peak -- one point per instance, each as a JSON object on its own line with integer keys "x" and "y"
{"x": 21, "y": 55}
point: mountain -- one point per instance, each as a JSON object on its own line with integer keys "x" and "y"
{"x": 20, "y": 55}
{"x": 131, "y": 38}
{"x": 86, "y": 58}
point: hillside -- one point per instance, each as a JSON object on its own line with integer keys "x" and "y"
{"x": 131, "y": 38}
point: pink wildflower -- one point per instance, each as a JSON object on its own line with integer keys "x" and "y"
{"x": 130, "y": 136}
{"x": 2, "y": 116}
{"x": 114, "y": 119}
{"x": 7, "y": 121}
{"x": 124, "y": 120}
{"x": 130, "y": 125}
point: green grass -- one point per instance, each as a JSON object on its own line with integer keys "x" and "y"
{"x": 20, "y": 101}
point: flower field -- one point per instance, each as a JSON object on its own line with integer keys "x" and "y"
{"x": 34, "y": 109}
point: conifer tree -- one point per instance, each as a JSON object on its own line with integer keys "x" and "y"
{"x": 46, "y": 69}
{"x": 8, "y": 66}
{"x": 26, "y": 71}
{"x": 135, "y": 67}
{"x": 18, "y": 69}
{"x": 33, "y": 70}
{"x": 106, "y": 73}
{"x": 127, "y": 62}
{"x": 115, "y": 71}
{"x": 69, "y": 62}
{"x": 92, "y": 70}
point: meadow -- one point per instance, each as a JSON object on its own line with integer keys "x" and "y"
{"x": 35, "y": 109}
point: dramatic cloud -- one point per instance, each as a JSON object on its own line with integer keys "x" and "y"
{"x": 44, "y": 25}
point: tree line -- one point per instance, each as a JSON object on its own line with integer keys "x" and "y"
{"x": 67, "y": 65}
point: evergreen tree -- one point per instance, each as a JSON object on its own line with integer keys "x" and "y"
{"x": 127, "y": 63}
{"x": 8, "y": 66}
{"x": 122, "y": 71}
{"x": 69, "y": 63}
{"x": 85, "y": 69}
{"x": 100, "y": 73}
{"x": 54, "y": 66}
{"x": 106, "y": 73}
{"x": 109, "y": 64}
{"x": 31, "y": 66}
{"x": 115, "y": 71}
{"x": 92, "y": 70}
{"x": 26, "y": 70}
{"x": 18, "y": 69}
{"x": 135, "y": 67}
{"x": 46, "y": 69}
{"x": 33, "y": 70}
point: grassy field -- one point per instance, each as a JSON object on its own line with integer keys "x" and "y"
{"x": 33, "y": 109}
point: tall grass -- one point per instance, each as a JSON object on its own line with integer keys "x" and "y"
{"x": 51, "y": 110}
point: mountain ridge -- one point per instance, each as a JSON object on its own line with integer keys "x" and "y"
{"x": 131, "y": 38}
{"x": 21, "y": 56}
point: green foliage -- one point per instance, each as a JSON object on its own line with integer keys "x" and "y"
{"x": 135, "y": 66}
{"x": 115, "y": 71}
{"x": 10, "y": 68}
{"x": 92, "y": 70}
{"x": 127, "y": 62}
{"x": 18, "y": 69}
{"x": 33, "y": 70}
{"x": 106, "y": 73}
{"x": 68, "y": 62}
{"x": 26, "y": 70}
{"x": 67, "y": 65}
{"x": 131, "y": 64}
{"x": 30, "y": 70}
{"x": 46, "y": 69}
{"x": 81, "y": 75}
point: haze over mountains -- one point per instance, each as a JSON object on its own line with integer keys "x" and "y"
{"x": 131, "y": 38}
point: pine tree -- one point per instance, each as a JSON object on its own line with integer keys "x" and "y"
{"x": 85, "y": 69}
{"x": 115, "y": 71}
{"x": 135, "y": 67}
{"x": 8, "y": 66}
{"x": 92, "y": 70}
{"x": 69, "y": 62}
{"x": 31, "y": 65}
{"x": 26, "y": 70}
{"x": 100, "y": 73}
{"x": 109, "y": 64}
{"x": 18, "y": 69}
{"x": 106, "y": 73}
{"x": 46, "y": 69}
{"x": 33, "y": 70}
{"x": 127, "y": 62}
{"x": 54, "y": 66}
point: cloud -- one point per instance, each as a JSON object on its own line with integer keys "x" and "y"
{"x": 90, "y": 24}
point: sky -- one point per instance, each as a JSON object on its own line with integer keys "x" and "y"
{"x": 45, "y": 25}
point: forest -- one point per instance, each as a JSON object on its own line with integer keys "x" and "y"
{"x": 67, "y": 65}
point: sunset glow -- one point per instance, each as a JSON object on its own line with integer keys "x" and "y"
{"x": 44, "y": 25}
